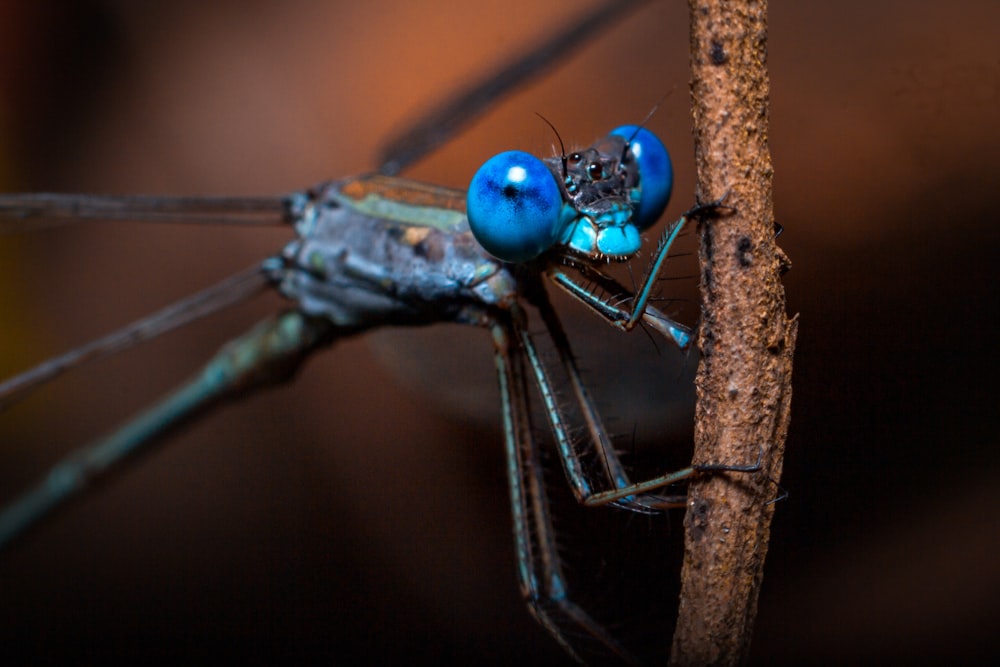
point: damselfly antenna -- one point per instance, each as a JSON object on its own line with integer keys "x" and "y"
{"x": 562, "y": 146}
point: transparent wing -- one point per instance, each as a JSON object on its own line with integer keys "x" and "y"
{"x": 445, "y": 121}
{"x": 24, "y": 212}
{"x": 226, "y": 293}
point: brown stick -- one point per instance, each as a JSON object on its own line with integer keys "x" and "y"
{"x": 746, "y": 339}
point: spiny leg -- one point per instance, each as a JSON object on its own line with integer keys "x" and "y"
{"x": 605, "y": 473}
{"x": 639, "y": 305}
{"x": 607, "y": 305}
{"x": 656, "y": 502}
{"x": 627, "y": 318}
{"x": 539, "y": 571}
{"x": 613, "y": 472}
{"x": 268, "y": 354}
{"x": 637, "y": 495}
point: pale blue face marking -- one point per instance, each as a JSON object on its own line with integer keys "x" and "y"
{"x": 595, "y": 202}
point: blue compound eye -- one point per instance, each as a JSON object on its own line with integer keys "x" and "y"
{"x": 514, "y": 205}
{"x": 656, "y": 174}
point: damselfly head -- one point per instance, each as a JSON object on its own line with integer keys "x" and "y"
{"x": 593, "y": 202}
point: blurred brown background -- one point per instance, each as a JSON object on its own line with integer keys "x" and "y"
{"x": 351, "y": 516}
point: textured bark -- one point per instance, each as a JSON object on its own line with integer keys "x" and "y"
{"x": 746, "y": 339}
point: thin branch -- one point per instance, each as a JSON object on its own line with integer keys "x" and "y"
{"x": 746, "y": 339}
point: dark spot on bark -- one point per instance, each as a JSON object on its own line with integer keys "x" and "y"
{"x": 708, "y": 243}
{"x": 743, "y": 248}
{"x": 697, "y": 518}
{"x": 708, "y": 247}
{"x": 717, "y": 53}
{"x": 707, "y": 344}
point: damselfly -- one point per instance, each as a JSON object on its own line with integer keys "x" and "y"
{"x": 390, "y": 216}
